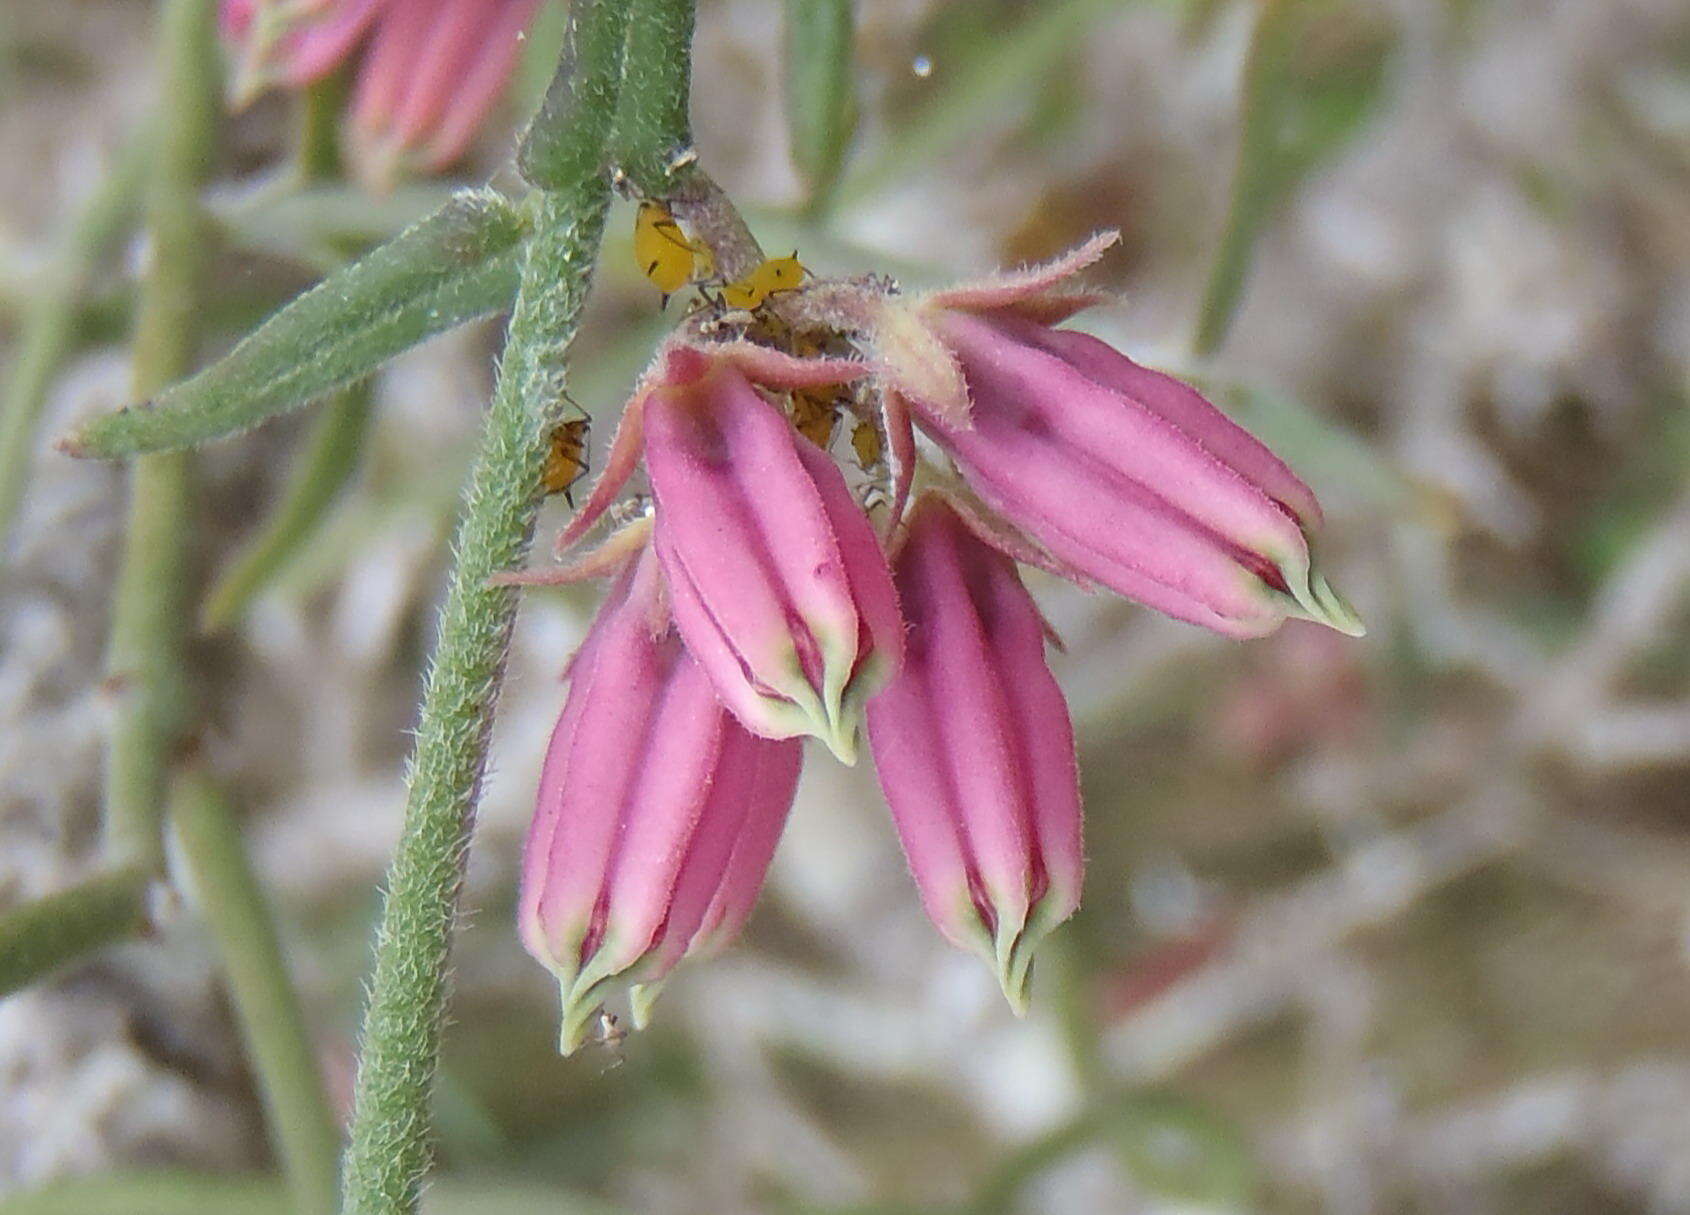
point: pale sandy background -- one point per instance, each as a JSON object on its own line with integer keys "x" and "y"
{"x": 1390, "y": 925}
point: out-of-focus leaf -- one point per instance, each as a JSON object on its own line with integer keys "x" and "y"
{"x": 166, "y": 1192}
{"x": 316, "y": 225}
{"x": 821, "y": 104}
{"x": 1180, "y": 1152}
{"x": 1173, "y": 1148}
{"x": 50, "y": 328}
{"x": 1314, "y": 72}
{"x": 1006, "y": 65}
{"x": 507, "y": 1196}
{"x": 325, "y": 467}
{"x": 454, "y": 266}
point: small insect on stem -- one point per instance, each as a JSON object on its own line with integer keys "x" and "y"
{"x": 866, "y": 443}
{"x": 775, "y": 275}
{"x": 666, "y": 255}
{"x": 815, "y": 414}
{"x": 566, "y": 457}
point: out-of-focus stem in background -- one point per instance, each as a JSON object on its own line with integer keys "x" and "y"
{"x": 290, "y": 1082}
{"x": 48, "y": 333}
{"x": 43, "y": 934}
{"x": 144, "y": 657}
{"x": 144, "y": 654}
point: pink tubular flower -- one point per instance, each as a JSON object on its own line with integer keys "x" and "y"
{"x": 657, "y": 812}
{"x": 975, "y": 751}
{"x": 775, "y": 577}
{"x": 1126, "y": 476}
{"x": 430, "y": 73}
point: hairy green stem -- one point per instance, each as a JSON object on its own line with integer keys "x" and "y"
{"x": 53, "y": 318}
{"x": 325, "y": 467}
{"x": 653, "y": 145}
{"x": 565, "y": 143}
{"x": 290, "y": 1082}
{"x": 56, "y": 928}
{"x": 653, "y": 140}
{"x": 144, "y": 656}
{"x": 390, "y": 1147}
{"x": 389, "y": 1152}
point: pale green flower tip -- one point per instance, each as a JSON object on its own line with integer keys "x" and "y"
{"x": 581, "y": 1000}
{"x": 843, "y": 744}
{"x": 1334, "y": 611}
{"x": 641, "y": 997}
{"x": 577, "y": 1017}
{"x": 839, "y": 735}
{"x": 1014, "y": 964}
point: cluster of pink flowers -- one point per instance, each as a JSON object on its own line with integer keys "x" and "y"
{"x": 428, "y": 71}
{"x": 756, "y": 602}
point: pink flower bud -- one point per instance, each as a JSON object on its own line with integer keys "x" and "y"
{"x": 433, "y": 72}
{"x": 975, "y": 750}
{"x": 1125, "y": 475}
{"x": 657, "y": 812}
{"x": 430, "y": 74}
{"x": 774, "y": 575}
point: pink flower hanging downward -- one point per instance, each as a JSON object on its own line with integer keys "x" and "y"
{"x": 429, "y": 75}
{"x": 975, "y": 751}
{"x": 657, "y": 813}
{"x": 776, "y": 580}
{"x": 1126, "y": 476}
{"x": 761, "y": 607}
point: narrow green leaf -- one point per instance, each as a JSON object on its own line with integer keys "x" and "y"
{"x": 454, "y": 266}
{"x": 1314, "y": 71}
{"x": 821, "y": 103}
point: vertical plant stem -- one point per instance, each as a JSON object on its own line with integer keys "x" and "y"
{"x": 48, "y": 333}
{"x": 39, "y": 936}
{"x": 389, "y": 1152}
{"x": 653, "y": 121}
{"x": 317, "y": 150}
{"x": 272, "y": 1024}
{"x": 653, "y": 143}
{"x": 390, "y": 1148}
{"x": 144, "y": 657}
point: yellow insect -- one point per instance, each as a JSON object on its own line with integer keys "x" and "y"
{"x": 666, "y": 255}
{"x": 815, "y": 414}
{"x": 865, "y": 441}
{"x": 774, "y": 275}
{"x": 566, "y": 459}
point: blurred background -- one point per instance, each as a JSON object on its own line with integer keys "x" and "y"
{"x": 1397, "y": 924}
